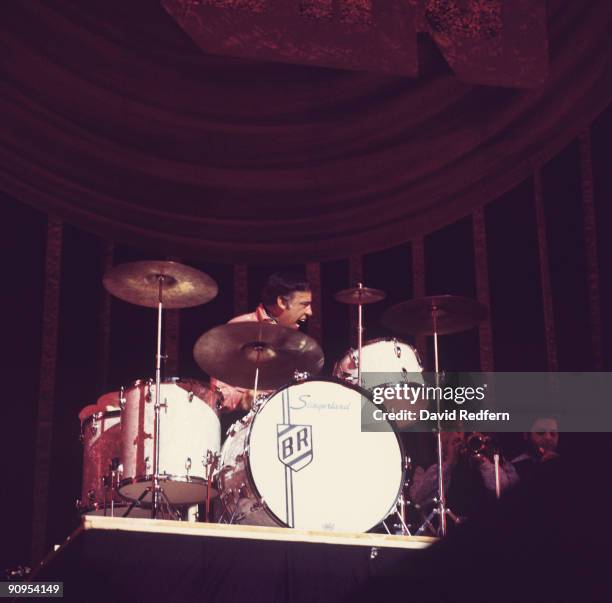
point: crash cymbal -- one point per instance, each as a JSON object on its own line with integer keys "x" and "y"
{"x": 138, "y": 283}
{"x": 233, "y": 351}
{"x": 360, "y": 295}
{"x": 452, "y": 314}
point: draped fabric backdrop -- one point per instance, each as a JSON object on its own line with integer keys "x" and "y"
{"x": 122, "y": 141}
{"x": 118, "y": 123}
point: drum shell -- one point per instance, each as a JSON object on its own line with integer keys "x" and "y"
{"x": 381, "y": 359}
{"x": 189, "y": 430}
{"x": 240, "y": 500}
{"x": 101, "y": 437}
{"x": 347, "y": 459}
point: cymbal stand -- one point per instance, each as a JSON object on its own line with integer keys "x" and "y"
{"x": 441, "y": 509}
{"x": 258, "y": 348}
{"x": 157, "y": 492}
{"x": 359, "y": 335}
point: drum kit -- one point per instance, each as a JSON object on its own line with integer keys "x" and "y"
{"x": 299, "y": 457}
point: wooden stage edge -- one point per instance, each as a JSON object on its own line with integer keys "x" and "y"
{"x": 215, "y": 530}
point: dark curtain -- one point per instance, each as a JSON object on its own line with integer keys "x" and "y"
{"x": 115, "y": 122}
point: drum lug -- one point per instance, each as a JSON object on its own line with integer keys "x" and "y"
{"x": 211, "y": 458}
{"x": 190, "y": 396}
{"x": 396, "y": 347}
{"x": 300, "y": 375}
{"x": 122, "y": 399}
{"x": 148, "y": 392}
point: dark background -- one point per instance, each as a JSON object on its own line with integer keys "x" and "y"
{"x": 113, "y": 117}
{"x": 516, "y": 311}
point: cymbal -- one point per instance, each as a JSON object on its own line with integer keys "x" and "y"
{"x": 233, "y": 351}
{"x": 452, "y": 314}
{"x": 138, "y": 283}
{"x": 360, "y": 295}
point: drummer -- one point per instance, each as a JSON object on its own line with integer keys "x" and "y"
{"x": 286, "y": 300}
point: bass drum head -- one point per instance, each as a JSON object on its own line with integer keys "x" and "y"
{"x": 312, "y": 465}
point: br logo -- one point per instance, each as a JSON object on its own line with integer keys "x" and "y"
{"x": 294, "y": 445}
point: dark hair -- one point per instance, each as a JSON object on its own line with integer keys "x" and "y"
{"x": 282, "y": 284}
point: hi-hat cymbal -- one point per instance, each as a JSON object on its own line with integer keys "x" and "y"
{"x": 443, "y": 314}
{"x": 233, "y": 351}
{"x": 360, "y": 295}
{"x": 138, "y": 283}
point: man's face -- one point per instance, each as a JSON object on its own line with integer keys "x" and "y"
{"x": 294, "y": 310}
{"x": 544, "y": 434}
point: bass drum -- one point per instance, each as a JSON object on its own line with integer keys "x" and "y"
{"x": 301, "y": 460}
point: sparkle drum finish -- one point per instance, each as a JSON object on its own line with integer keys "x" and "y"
{"x": 101, "y": 438}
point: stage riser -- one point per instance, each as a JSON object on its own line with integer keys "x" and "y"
{"x": 102, "y": 566}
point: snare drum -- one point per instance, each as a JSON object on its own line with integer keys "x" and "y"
{"x": 190, "y": 432}
{"x": 101, "y": 437}
{"x": 301, "y": 460}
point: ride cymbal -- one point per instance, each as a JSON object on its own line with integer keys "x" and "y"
{"x": 138, "y": 283}
{"x": 443, "y": 314}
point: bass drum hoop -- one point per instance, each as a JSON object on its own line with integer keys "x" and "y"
{"x": 247, "y": 446}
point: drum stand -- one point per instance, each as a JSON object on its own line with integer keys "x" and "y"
{"x": 157, "y": 490}
{"x": 142, "y": 284}
{"x": 158, "y": 496}
{"x": 436, "y": 315}
{"x": 359, "y": 335}
{"x": 440, "y": 509}
{"x": 402, "y": 504}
